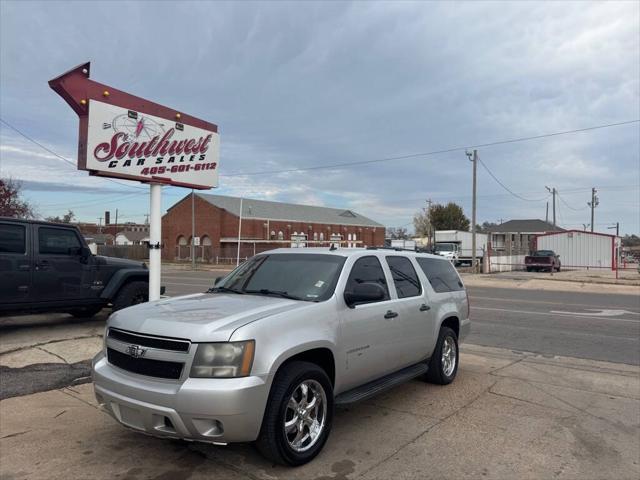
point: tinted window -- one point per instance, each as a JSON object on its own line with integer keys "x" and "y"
{"x": 309, "y": 277}
{"x": 405, "y": 277}
{"x": 441, "y": 274}
{"x": 56, "y": 241}
{"x": 12, "y": 238}
{"x": 367, "y": 270}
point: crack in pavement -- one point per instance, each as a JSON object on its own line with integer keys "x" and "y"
{"x": 38, "y": 345}
{"x": 52, "y": 353}
{"x": 11, "y": 435}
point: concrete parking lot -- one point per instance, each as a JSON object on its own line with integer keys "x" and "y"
{"x": 533, "y": 399}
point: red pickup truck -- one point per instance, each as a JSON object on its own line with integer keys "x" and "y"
{"x": 542, "y": 260}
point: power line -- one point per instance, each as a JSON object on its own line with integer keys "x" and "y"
{"x": 508, "y": 189}
{"x": 60, "y": 156}
{"x": 434, "y": 152}
{"x": 569, "y": 206}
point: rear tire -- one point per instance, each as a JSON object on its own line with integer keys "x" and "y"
{"x": 441, "y": 372}
{"x": 130, "y": 294}
{"x": 278, "y": 435}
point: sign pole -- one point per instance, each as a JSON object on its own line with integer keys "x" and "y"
{"x": 155, "y": 241}
{"x": 239, "y": 233}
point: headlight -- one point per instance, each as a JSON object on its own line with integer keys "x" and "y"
{"x": 223, "y": 360}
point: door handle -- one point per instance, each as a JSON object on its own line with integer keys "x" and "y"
{"x": 42, "y": 265}
{"x": 424, "y": 307}
{"x": 24, "y": 267}
{"x": 390, "y": 314}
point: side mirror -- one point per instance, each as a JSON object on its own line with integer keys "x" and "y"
{"x": 364, "y": 293}
{"x": 218, "y": 280}
{"x": 83, "y": 252}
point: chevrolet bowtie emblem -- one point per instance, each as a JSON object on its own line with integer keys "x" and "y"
{"x": 136, "y": 351}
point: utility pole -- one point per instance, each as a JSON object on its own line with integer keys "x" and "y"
{"x": 553, "y": 192}
{"x": 430, "y": 232}
{"x": 193, "y": 231}
{"x": 115, "y": 231}
{"x": 473, "y": 158}
{"x": 593, "y": 204}
{"x": 546, "y": 217}
{"x": 99, "y": 224}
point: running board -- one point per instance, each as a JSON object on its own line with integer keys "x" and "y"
{"x": 375, "y": 387}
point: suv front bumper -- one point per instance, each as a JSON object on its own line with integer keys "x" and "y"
{"x": 214, "y": 410}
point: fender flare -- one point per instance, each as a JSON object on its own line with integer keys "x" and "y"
{"x": 120, "y": 278}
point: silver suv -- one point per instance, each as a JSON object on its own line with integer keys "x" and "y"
{"x": 267, "y": 353}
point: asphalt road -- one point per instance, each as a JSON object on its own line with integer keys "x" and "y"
{"x": 547, "y": 322}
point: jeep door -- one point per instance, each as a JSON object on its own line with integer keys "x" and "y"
{"x": 59, "y": 274}
{"x": 369, "y": 336}
{"x": 415, "y": 319}
{"x": 15, "y": 263}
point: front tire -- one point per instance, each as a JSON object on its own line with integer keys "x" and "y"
{"x": 299, "y": 414}
{"x": 443, "y": 365}
{"x": 130, "y": 294}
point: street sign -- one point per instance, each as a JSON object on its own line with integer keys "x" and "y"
{"x": 127, "y": 142}
{"x": 196, "y": 241}
{"x": 131, "y": 138}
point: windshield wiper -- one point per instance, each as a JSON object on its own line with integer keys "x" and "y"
{"x": 279, "y": 293}
{"x": 224, "y": 290}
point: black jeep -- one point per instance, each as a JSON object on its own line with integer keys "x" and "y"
{"x": 48, "y": 267}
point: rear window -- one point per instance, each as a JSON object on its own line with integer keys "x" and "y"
{"x": 56, "y": 241}
{"x": 441, "y": 275}
{"x": 543, "y": 253}
{"x": 404, "y": 276}
{"x": 12, "y": 238}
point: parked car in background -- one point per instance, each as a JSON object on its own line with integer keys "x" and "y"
{"x": 267, "y": 353}
{"x": 542, "y": 260}
{"x": 48, "y": 267}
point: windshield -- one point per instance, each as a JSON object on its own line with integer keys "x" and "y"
{"x": 308, "y": 277}
{"x": 445, "y": 247}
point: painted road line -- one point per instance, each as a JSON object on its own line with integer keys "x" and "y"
{"x": 549, "y": 314}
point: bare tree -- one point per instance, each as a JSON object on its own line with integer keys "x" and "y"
{"x": 11, "y": 202}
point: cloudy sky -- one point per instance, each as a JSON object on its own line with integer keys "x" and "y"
{"x": 295, "y": 85}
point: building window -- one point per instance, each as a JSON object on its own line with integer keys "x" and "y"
{"x": 321, "y": 236}
{"x": 315, "y": 236}
{"x": 205, "y": 241}
{"x": 181, "y": 240}
{"x": 273, "y": 235}
{"x": 280, "y": 235}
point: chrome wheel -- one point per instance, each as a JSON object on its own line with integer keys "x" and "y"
{"x": 305, "y": 416}
{"x": 449, "y": 356}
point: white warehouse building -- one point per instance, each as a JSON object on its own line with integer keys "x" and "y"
{"x": 581, "y": 250}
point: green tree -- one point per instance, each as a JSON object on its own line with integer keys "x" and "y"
{"x": 630, "y": 240}
{"x": 11, "y": 202}
{"x": 449, "y": 217}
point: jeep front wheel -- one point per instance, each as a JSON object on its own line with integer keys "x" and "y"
{"x": 299, "y": 414}
{"x": 130, "y": 294}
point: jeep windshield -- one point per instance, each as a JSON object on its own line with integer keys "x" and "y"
{"x": 297, "y": 276}
{"x": 445, "y": 247}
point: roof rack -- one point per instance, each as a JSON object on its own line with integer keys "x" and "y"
{"x": 396, "y": 249}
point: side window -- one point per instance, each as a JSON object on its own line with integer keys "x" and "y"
{"x": 12, "y": 238}
{"x": 441, "y": 274}
{"x": 405, "y": 277}
{"x": 367, "y": 270}
{"x": 56, "y": 241}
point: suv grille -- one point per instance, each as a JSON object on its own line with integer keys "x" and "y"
{"x": 174, "y": 344}
{"x": 145, "y": 366}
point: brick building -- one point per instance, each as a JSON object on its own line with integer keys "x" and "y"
{"x": 265, "y": 225}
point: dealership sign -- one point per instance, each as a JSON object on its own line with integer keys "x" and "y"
{"x": 126, "y": 142}
{"x": 129, "y": 137}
